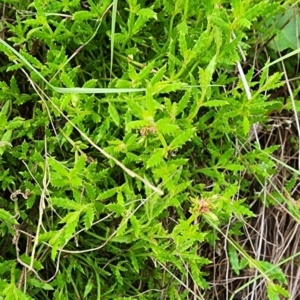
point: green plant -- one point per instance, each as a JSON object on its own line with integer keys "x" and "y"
{"x": 125, "y": 146}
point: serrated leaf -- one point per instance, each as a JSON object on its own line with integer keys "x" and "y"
{"x": 198, "y": 276}
{"x": 40, "y": 285}
{"x": 156, "y": 158}
{"x": 4, "y": 144}
{"x": 80, "y": 164}
{"x": 234, "y": 259}
{"x": 135, "y": 108}
{"x": 147, "y": 13}
{"x": 72, "y": 220}
{"x": 182, "y": 45}
{"x": 107, "y": 194}
{"x": 135, "y": 225}
{"x": 7, "y": 136}
{"x": 181, "y": 187}
{"x": 134, "y": 262}
{"x": 66, "y": 203}
{"x": 27, "y": 260}
{"x": 144, "y": 73}
{"x": 58, "y": 167}
{"x": 83, "y": 15}
{"x": 181, "y": 139}
{"x": 246, "y": 125}
{"x": 274, "y": 290}
{"x": 120, "y": 198}
{"x": 274, "y": 272}
{"x": 15, "y": 123}
{"x": 226, "y": 156}
{"x": 117, "y": 274}
{"x": 272, "y": 82}
{"x": 182, "y": 104}
{"x": 136, "y": 124}
{"x": 67, "y": 81}
{"x": 212, "y": 103}
{"x": 6, "y": 217}
{"x": 121, "y": 229}
{"x": 90, "y": 83}
{"x": 233, "y": 167}
{"x": 14, "y": 86}
{"x": 90, "y": 191}
{"x": 158, "y": 75}
{"x": 88, "y": 288}
{"x": 150, "y": 102}
{"x": 117, "y": 208}
{"x": 59, "y": 181}
{"x": 114, "y": 114}
{"x": 219, "y": 22}
{"x": 89, "y": 217}
{"x": 35, "y": 62}
{"x": 13, "y": 293}
{"x": 167, "y": 87}
{"x": 165, "y": 126}
{"x": 5, "y": 108}
{"x": 242, "y": 210}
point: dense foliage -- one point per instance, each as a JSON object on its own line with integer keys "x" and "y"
{"x": 126, "y": 145}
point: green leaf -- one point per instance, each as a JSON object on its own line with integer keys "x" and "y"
{"x": 150, "y": 102}
{"x": 233, "y": 167}
{"x": 40, "y": 285}
{"x": 5, "y": 108}
{"x": 7, "y": 218}
{"x": 88, "y": 288}
{"x": 134, "y": 262}
{"x": 66, "y": 203}
{"x": 15, "y": 123}
{"x": 147, "y": 13}
{"x": 135, "y": 225}
{"x": 156, "y": 158}
{"x": 11, "y": 292}
{"x": 135, "y": 108}
{"x": 114, "y": 114}
{"x": 274, "y": 290}
{"x": 234, "y": 259}
{"x": 158, "y": 75}
{"x": 181, "y": 139}
{"x": 89, "y": 217}
{"x": 80, "y": 164}
{"x": 117, "y": 208}
{"x": 67, "y": 81}
{"x": 35, "y": 62}
{"x": 121, "y": 229}
{"x": 27, "y": 260}
{"x": 4, "y": 145}
{"x": 83, "y": 15}
{"x": 7, "y": 136}
{"x": 246, "y": 125}
{"x": 167, "y": 87}
{"x": 144, "y": 73}
{"x": 216, "y": 103}
{"x": 182, "y": 104}
{"x": 107, "y": 194}
{"x": 225, "y": 157}
{"x": 72, "y": 221}
{"x": 136, "y": 124}
{"x": 275, "y": 274}
{"x": 165, "y": 126}
{"x": 58, "y": 167}
{"x": 90, "y": 83}
{"x": 14, "y": 86}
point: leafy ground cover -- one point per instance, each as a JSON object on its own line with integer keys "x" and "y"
{"x": 149, "y": 149}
